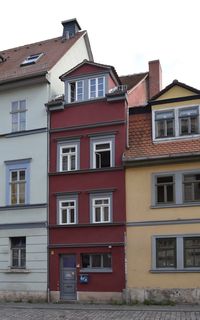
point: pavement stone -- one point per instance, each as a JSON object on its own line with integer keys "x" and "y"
{"x": 28, "y": 311}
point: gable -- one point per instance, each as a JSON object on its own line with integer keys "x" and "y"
{"x": 176, "y": 92}
{"x": 86, "y": 68}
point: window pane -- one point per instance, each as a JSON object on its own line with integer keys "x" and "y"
{"x": 13, "y": 175}
{"x": 102, "y": 146}
{"x": 106, "y": 214}
{"x": 160, "y": 129}
{"x": 96, "y": 261}
{"x": 97, "y": 214}
{"x": 15, "y": 106}
{"x": 107, "y": 260}
{"x": 164, "y": 115}
{"x": 170, "y": 193}
{"x": 165, "y": 252}
{"x": 69, "y": 261}
{"x": 73, "y": 162}
{"x": 192, "y": 252}
{"x": 64, "y": 216}
{"x": 85, "y": 261}
{"x": 184, "y": 124}
{"x": 13, "y": 193}
{"x": 22, "y": 193}
{"x": 197, "y": 191}
{"x": 170, "y": 128}
{"x": 22, "y": 105}
{"x": 22, "y": 175}
{"x": 160, "y": 194}
{"x": 65, "y": 163}
{"x": 72, "y": 216}
{"x": 194, "y": 125}
{"x": 164, "y": 179}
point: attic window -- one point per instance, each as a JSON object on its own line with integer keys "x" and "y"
{"x": 33, "y": 58}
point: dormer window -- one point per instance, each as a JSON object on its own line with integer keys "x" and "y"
{"x": 33, "y": 58}
{"x": 76, "y": 92}
{"x": 176, "y": 123}
{"x": 96, "y": 87}
{"x": 188, "y": 121}
{"x": 85, "y": 89}
{"x": 164, "y": 124}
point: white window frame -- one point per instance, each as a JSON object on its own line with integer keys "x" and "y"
{"x": 69, "y": 156}
{"x": 18, "y": 112}
{"x": 33, "y": 58}
{"x": 176, "y": 111}
{"x": 17, "y": 183}
{"x": 101, "y": 196}
{"x": 97, "y": 140}
{"x": 68, "y": 209}
{"x": 180, "y": 267}
{"x": 76, "y": 98}
{"x": 101, "y": 207}
{"x": 101, "y": 150}
{"x": 96, "y": 88}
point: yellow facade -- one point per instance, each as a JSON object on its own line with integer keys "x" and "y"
{"x": 146, "y": 221}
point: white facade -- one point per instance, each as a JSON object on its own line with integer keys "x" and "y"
{"x": 24, "y": 155}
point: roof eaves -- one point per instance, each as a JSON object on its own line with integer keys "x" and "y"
{"x": 154, "y": 160}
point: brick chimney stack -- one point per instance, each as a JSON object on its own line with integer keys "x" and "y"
{"x": 155, "y": 78}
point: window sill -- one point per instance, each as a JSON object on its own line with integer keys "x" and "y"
{"x": 90, "y": 170}
{"x": 165, "y": 139}
{"x": 97, "y": 270}
{"x": 189, "y": 204}
{"x": 13, "y": 270}
{"x": 188, "y": 270}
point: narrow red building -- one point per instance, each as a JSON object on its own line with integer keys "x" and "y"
{"x": 88, "y": 135}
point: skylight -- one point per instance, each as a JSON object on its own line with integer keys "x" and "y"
{"x": 33, "y": 58}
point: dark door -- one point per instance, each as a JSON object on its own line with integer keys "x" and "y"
{"x": 68, "y": 277}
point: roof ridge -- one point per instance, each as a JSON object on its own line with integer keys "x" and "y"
{"x": 38, "y": 42}
{"x": 134, "y": 74}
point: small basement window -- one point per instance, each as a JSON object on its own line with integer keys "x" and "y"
{"x": 33, "y": 58}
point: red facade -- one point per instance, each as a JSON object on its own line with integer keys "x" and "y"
{"x": 87, "y": 184}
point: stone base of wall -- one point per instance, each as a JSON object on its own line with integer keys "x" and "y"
{"x": 99, "y": 297}
{"x": 85, "y": 296}
{"x": 23, "y": 296}
{"x": 54, "y": 296}
{"x": 162, "y": 296}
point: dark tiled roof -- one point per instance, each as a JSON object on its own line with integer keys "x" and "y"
{"x": 142, "y": 146}
{"x": 52, "y": 49}
{"x": 133, "y": 79}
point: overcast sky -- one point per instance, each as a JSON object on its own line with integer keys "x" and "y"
{"x": 126, "y": 34}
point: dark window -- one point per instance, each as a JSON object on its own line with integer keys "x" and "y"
{"x": 192, "y": 252}
{"x": 76, "y": 91}
{"x": 188, "y": 121}
{"x": 18, "y": 252}
{"x": 191, "y": 185}
{"x": 103, "y": 155}
{"x": 96, "y": 261}
{"x": 166, "y": 253}
{"x": 164, "y": 124}
{"x": 165, "y": 189}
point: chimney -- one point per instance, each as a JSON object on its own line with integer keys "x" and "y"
{"x": 70, "y": 28}
{"x": 155, "y": 78}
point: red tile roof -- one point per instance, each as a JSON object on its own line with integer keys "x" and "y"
{"x": 142, "y": 146}
{"x": 132, "y": 80}
{"x": 52, "y": 49}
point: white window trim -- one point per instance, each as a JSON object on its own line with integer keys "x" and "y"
{"x": 176, "y": 124}
{"x": 101, "y": 209}
{"x": 68, "y": 155}
{"x": 76, "y": 91}
{"x": 94, "y": 152}
{"x": 18, "y": 112}
{"x": 68, "y": 212}
{"x": 96, "y": 88}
